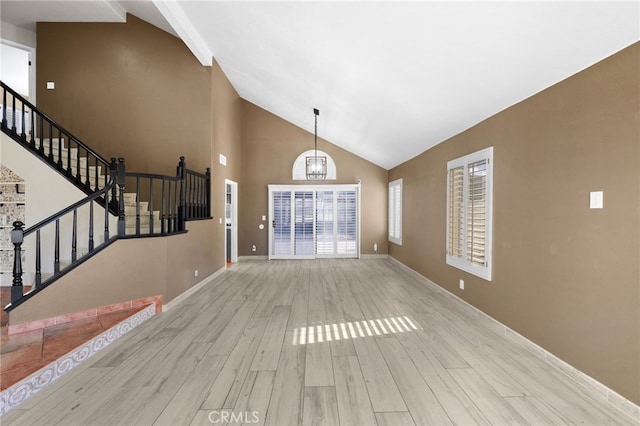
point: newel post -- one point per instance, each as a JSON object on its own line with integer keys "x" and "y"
{"x": 17, "y": 237}
{"x": 182, "y": 208}
{"x": 121, "y": 178}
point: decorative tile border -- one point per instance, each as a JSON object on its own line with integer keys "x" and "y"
{"x": 15, "y": 395}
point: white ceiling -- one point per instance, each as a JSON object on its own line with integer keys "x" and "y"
{"x": 391, "y": 79}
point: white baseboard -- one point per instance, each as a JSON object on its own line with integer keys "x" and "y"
{"x": 178, "y": 299}
{"x": 374, "y": 256}
{"x": 607, "y": 394}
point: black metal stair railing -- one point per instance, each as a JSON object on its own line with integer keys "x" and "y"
{"x": 50, "y": 264}
{"x": 162, "y": 204}
{"x": 48, "y": 140}
{"x": 157, "y": 206}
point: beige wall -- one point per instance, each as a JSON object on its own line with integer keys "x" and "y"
{"x": 270, "y": 146}
{"x": 127, "y": 90}
{"x": 226, "y": 129}
{"x": 127, "y": 270}
{"x": 156, "y": 102}
{"x": 565, "y": 276}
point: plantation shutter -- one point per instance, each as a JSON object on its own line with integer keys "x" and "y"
{"x": 395, "y": 211}
{"x": 469, "y": 187}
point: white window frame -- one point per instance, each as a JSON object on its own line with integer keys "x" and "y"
{"x": 395, "y": 211}
{"x": 461, "y": 262}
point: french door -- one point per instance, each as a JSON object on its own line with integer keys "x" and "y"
{"x": 310, "y": 221}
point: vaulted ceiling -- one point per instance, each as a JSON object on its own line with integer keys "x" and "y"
{"x": 391, "y": 79}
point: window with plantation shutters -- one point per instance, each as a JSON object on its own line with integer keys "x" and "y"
{"x": 469, "y": 215}
{"x": 395, "y": 211}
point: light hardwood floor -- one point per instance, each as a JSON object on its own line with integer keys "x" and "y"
{"x": 325, "y": 342}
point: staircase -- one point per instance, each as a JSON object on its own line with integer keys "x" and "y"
{"x": 153, "y": 204}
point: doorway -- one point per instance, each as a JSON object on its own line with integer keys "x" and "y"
{"x": 231, "y": 221}
{"x": 314, "y": 221}
{"x": 17, "y": 68}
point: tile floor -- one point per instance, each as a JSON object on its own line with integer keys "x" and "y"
{"x": 24, "y": 353}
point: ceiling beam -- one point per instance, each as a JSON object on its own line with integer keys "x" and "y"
{"x": 178, "y": 20}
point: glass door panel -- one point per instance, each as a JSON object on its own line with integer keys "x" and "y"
{"x": 281, "y": 240}
{"x": 325, "y": 229}
{"x": 303, "y": 214}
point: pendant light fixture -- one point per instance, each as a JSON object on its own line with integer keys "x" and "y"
{"x": 316, "y": 165}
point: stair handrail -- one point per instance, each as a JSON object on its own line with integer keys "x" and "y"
{"x": 19, "y": 233}
{"x": 21, "y": 137}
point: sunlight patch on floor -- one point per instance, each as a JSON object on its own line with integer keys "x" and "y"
{"x": 351, "y": 330}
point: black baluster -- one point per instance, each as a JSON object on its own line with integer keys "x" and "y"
{"x": 4, "y": 107}
{"x": 69, "y": 169}
{"x": 208, "y": 193}
{"x": 56, "y": 258}
{"x": 162, "y": 211}
{"x": 41, "y": 136}
{"x": 59, "y": 148}
{"x": 182, "y": 166}
{"x": 176, "y": 205}
{"x": 91, "y": 243}
{"x": 87, "y": 181}
{"x": 13, "y": 114}
{"x": 50, "y": 143}
{"x": 113, "y": 171}
{"x": 32, "y": 119}
{"x": 106, "y": 216}
{"x": 17, "y": 238}
{"x": 120, "y": 181}
{"x": 74, "y": 237}
{"x": 23, "y": 136}
{"x": 151, "y": 206}
{"x": 38, "y": 280}
{"x": 137, "y": 205}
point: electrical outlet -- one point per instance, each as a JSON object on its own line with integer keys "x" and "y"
{"x": 254, "y": 248}
{"x": 461, "y": 284}
{"x": 195, "y": 273}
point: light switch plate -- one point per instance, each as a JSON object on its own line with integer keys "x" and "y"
{"x": 596, "y": 200}
{"x": 51, "y": 85}
{"x": 223, "y": 159}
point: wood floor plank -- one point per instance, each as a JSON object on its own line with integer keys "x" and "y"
{"x": 490, "y": 403}
{"x": 224, "y": 332}
{"x": 270, "y": 346}
{"x": 318, "y": 363}
{"x": 572, "y": 404}
{"x": 383, "y": 390}
{"x": 300, "y": 304}
{"x": 335, "y": 317}
{"x": 320, "y": 406}
{"x": 143, "y": 404}
{"x": 493, "y": 372}
{"x": 421, "y": 402}
{"x": 54, "y": 407}
{"x": 456, "y": 403}
{"x": 534, "y": 411}
{"x": 285, "y": 406}
{"x": 354, "y": 405}
{"x": 254, "y": 398}
{"x": 182, "y": 407}
{"x": 225, "y": 390}
{"x": 397, "y": 418}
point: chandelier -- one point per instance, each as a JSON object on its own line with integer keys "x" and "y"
{"x": 316, "y": 165}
